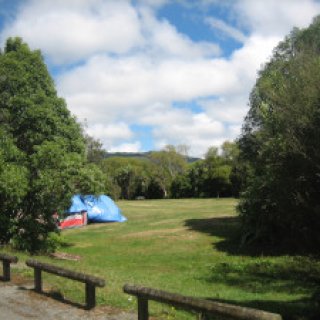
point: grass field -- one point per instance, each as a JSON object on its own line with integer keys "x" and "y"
{"x": 188, "y": 247}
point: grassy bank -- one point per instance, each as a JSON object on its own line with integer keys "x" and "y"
{"x": 188, "y": 247}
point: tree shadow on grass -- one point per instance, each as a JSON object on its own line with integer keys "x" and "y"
{"x": 227, "y": 238}
{"x": 226, "y": 231}
{"x": 260, "y": 273}
{"x": 301, "y": 309}
{"x": 296, "y": 276}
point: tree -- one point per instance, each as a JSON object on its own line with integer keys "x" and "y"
{"x": 168, "y": 164}
{"x": 216, "y": 174}
{"x": 93, "y": 147}
{"x": 210, "y": 177}
{"x": 181, "y": 187}
{"x": 126, "y": 178}
{"x": 240, "y": 173}
{"x": 94, "y": 150}
{"x": 280, "y": 142}
{"x": 154, "y": 189}
{"x": 13, "y": 183}
{"x": 229, "y": 152}
{"x": 42, "y": 149}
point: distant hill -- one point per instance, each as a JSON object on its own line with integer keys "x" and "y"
{"x": 139, "y": 155}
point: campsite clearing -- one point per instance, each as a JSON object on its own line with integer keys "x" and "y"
{"x": 188, "y": 247}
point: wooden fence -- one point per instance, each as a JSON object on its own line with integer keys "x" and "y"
{"x": 6, "y": 261}
{"x": 201, "y": 306}
{"x": 143, "y": 294}
{"x": 91, "y": 282}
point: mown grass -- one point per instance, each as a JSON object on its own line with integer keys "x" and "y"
{"x": 188, "y": 247}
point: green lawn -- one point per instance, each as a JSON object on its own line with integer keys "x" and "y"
{"x": 188, "y": 247}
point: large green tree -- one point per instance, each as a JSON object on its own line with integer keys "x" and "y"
{"x": 209, "y": 177}
{"x": 13, "y": 183}
{"x": 216, "y": 173}
{"x": 42, "y": 149}
{"x": 127, "y": 178}
{"x": 280, "y": 143}
{"x": 169, "y": 163}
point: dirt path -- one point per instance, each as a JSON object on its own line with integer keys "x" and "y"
{"x": 19, "y": 302}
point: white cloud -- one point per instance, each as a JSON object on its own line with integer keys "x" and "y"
{"x": 71, "y": 31}
{"x": 134, "y": 74}
{"x": 153, "y": 3}
{"x": 126, "y": 147}
{"x": 112, "y": 135}
{"x": 163, "y": 40}
{"x": 124, "y": 88}
{"x": 139, "y": 90}
{"x": 274, "y": 17}
{"x": 229, "y": 109}
{"x": 136, "y": 90}
{"x": 225, "y": 28}
{"x": 113, "y": 132}
{"x": 68, "y": 31}
{"x": 198, "y": 128}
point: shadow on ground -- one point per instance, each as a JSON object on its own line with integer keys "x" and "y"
{"x": 227, "y": 232}
{"x": 58, "y": 296}
{"x": 226, "y": 228}
{"x": 297, "y": 276}
{"x": 262, "y": 273}
{"x": 294, "y": 310}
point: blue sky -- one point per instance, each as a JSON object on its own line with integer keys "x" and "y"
{"x": 146, "y": 73}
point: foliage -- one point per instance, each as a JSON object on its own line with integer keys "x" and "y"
{"x": 168, "y": 174}
{"x": 127, "y": 178}
{"x": 144, "y": 177}
{"x": 169, "y": 163}
{"x": 240, "y": 173}
{"x": 13, "y": 183}
{"x": 280, "y": 142}
{"x": 42, "y": 150}
{"x": 210, "y": 177}
{"x": 181, "y": 187}
{"x": 216, "y": 174}
{"x": 229, "y": 152}
{"x": 154, "y": 189}
{"x": 94, "y": 149}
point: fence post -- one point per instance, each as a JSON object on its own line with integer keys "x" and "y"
{"x": 90, "y": 281}
{"x": 6, "y": 270}
{"x": 37, "y": 280}
{"x": 143, "y": 312}
{"x": 90, "y": 296}
{"x": 6, "y": 261}
{"x": 205, "y": 307}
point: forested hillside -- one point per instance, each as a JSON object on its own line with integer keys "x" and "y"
{"x": 168, "y": 173}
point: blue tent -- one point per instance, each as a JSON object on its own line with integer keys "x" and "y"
{"x": 99, "y": 209}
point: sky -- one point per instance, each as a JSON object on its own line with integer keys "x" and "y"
{"x": 143, "y": 74}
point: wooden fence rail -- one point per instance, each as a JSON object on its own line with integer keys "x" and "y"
{"x": 6, "y": 261}
{"x": 91, "y": 282}
{"x": 204, "y": 307}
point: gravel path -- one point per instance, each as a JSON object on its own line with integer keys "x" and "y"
{"x": 20, "y": 302}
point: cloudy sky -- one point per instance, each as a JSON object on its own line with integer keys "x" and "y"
{"x": 146, "y": 73}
